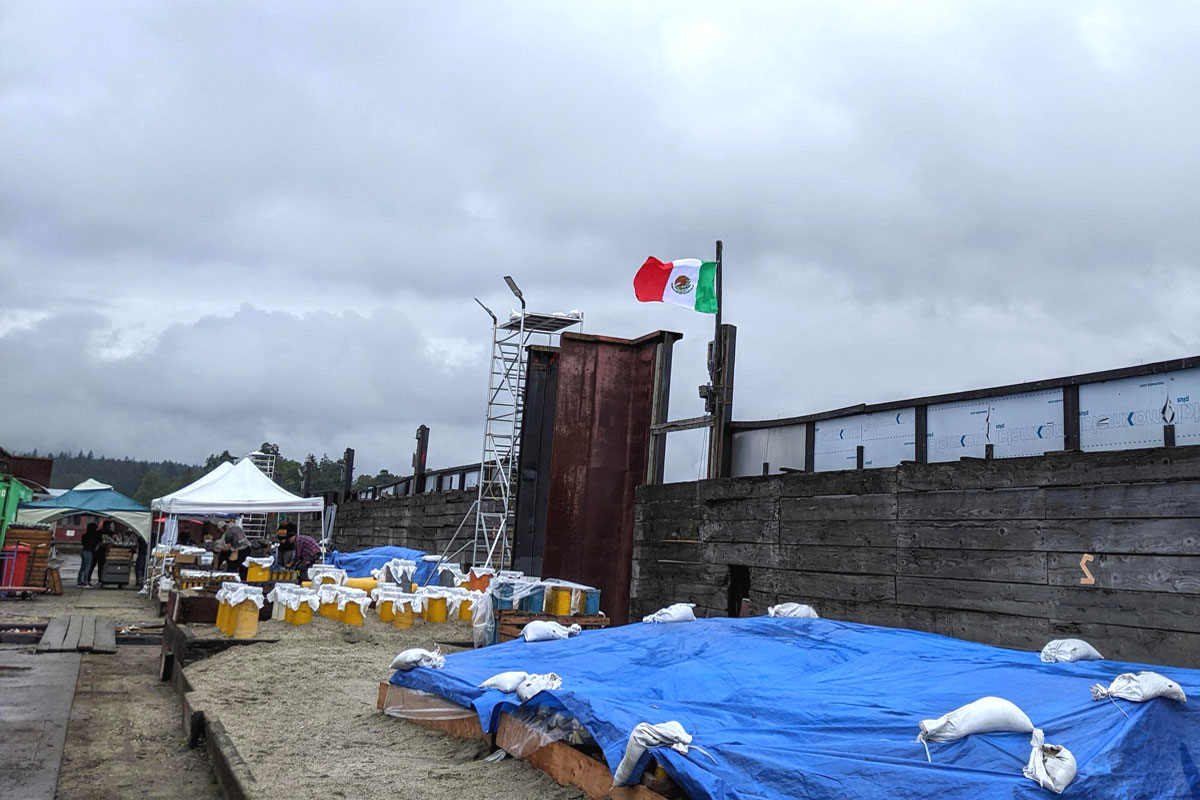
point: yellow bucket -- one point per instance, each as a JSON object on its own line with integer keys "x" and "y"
{"x": 245, "y": 621}
{"x": 366, "y": 584}
{"x": 387, "y": 611}
{"x": 404, "y": 617}
{"x": 352, "y": 614}
{"x": 464, "y": 610}
{"x": 329, "y": 610}
{"x": 222, "y": 616}
{"x": 435, "y": 609}
{"x": 560, "y": 601}
{"x": 302, "y": 615}
{"x": 257, "y": 574}
{"x": 288, "y": 614}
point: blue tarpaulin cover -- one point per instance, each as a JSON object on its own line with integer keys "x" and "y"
{"x": 360, "y": 564}
{"x": 815, "y": 708}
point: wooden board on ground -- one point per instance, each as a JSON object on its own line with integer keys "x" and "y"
{"x": 52, "y": 638}
{"x": 74, "y": 628}
{"x": 509, "y": 622}
{"x": 87, "y": 634}
{"x": 106, "y": 636}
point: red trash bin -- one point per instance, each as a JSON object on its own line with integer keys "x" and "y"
{"x": 15, "y": 562}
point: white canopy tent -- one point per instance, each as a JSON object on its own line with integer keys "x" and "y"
{"x": 241, "y": 488}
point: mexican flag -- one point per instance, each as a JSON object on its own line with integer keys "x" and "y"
{"x": 685, "y": 282}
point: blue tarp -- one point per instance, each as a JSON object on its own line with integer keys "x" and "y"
{"x": 360, "y": 564}
{"x": 827, "y": 710}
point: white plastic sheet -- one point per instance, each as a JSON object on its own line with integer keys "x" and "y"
{"x": 235, "y": 594}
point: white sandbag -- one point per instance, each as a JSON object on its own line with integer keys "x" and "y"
{"x": 506, "y": 682}
{"x": 1140, "y": 687}
{"x": 645, "y": 735}
{"x": 677, "y": 612}
{"x": 794, "y": 610}
{"x": 985, "y": 715}
{"x": 418, "y": 657}
{"x": 537, "y": 683}
{"x": 541, "y": 630}
{"x": 359, "y": 597}
{"x": 1051, "y": 765}
{"x": 1068, "y": 650}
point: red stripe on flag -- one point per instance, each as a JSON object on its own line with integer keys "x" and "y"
{"x": 651, "y": 280}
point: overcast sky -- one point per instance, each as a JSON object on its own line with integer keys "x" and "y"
{"x": 228, "y": 223}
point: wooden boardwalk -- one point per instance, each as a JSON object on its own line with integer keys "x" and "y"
{"x": 79, "y": 632}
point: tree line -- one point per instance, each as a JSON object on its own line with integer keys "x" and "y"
{"x": 146, "y": 480}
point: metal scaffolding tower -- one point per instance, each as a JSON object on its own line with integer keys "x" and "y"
{"x": 255, "y": 525}
{"x": 496, "y": 500}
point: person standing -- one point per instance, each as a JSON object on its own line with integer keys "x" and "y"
{"x": 142, "y": 551}
{"x": 234, "y": 548}
{"x": 89, "y": 542}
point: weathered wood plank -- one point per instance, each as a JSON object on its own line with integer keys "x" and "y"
{"x": 1020, "y": 535}
{"x": 1143, "y": 573}
{"x": 1088, "y": 604}
{"x": 752, "y": 508}
{"x": 52, "y": 637}
{"x": 847, "y": 560}
{"x": 805, "y": 586}
{"x": 845, "y": 533}
{"x": 1125, "y": 643}
{"x": 87, "y": 634}
{"x": 838, "y": 507}
{"x": 1060, "y": 469}
{"x": 984, "y": 565}
{"x": 1150, "y": 536}
{"x": 738, "y": 488}
{"x": 74, "y": 628}
{"x": 815, "y": 484}
{"x": 1174, "y": 499}
{"x": 106, "y": 636}
{"x": 740, "y": 531}
{"x": 972, "y": 504}
{"x": 1024, "y": 600}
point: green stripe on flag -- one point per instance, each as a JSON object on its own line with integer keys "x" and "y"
{"x": 706, "y": 288}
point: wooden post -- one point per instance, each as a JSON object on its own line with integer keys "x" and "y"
{"x": 1168, "y": 435}
{"x": 859, "y": 457}
{"x": 347, "y": 473}
{"x": 419, "y": 456}
{"x": 810, "y": 447}
{"x": 660, "y": 407}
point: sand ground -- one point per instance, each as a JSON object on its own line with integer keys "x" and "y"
{"x": 302, "y": 714}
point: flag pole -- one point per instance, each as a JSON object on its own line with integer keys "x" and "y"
{"x": 716, "y": 373}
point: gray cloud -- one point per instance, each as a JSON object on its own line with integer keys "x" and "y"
{"x": 914, "y": 198}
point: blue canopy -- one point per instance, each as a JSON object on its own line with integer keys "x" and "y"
{"x": 96, "y": 500}
{"x": 827, "y": 710}
{"x": 360, "y": 564}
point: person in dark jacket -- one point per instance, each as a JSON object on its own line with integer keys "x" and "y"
{"x": 91, "y": 539}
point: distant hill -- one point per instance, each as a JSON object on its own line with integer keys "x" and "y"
{"x": 141, "y": 480}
